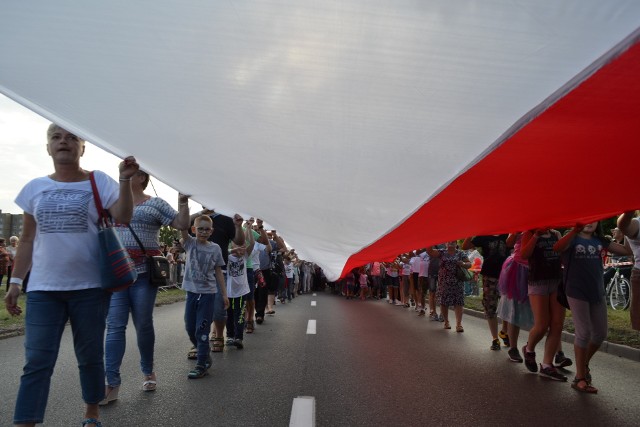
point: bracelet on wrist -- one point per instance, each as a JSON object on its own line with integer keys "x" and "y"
{"x": 125, "y": 179}
{"x": 15, "y": 281}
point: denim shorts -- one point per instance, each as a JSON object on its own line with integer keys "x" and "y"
{"x": 433, "y": 284}
{"x": 395, "y": 282}
{"x": 543, "y": 287}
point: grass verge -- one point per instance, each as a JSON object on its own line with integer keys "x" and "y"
{"x": 14, "y": 325}
{"x": 620, "y": 331}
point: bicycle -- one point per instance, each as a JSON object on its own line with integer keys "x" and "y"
{"x": 618, "y": 288}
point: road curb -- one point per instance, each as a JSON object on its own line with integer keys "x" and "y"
{"x": 619, "y": 350}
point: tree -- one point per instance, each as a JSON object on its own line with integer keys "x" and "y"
{"x": 168, "y": 234}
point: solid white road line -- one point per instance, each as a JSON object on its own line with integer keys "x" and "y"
{"x": 311, "y": 327}
{"x": 303, "y": 412}
{"x": 313, "y": 303}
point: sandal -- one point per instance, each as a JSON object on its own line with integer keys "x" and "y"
{"x": 192, "y": 354}
{"x": 218, "y": 345}
{"x": 110, "y": 394}
{"x": 250, "y": 327}
{"x": 588, "y": 375}
{"x": 93, "y": 421}
{"x": 150, "y": 382}
{"x": 447, "y": 325}
{"x": 588, "y": 388}
{"x": 459, "y": 328}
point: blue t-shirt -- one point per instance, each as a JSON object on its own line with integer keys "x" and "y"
{"x": 583, "y": 268}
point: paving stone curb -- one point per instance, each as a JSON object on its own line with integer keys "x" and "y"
{"x": 607, "y": 347}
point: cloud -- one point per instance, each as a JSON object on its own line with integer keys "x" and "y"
{"x": 24, "y": 155}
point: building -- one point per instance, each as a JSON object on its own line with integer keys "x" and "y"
{"x": 10, "y": 225}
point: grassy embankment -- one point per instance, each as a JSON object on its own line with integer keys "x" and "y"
{"x": 620, "y": 331}
{"x": 13, "y": 325}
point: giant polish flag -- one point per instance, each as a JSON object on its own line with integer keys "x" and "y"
{"x": 358, "y": 128}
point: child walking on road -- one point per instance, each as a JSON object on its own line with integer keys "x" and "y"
{"x": 237, "y": 290}
{"x": 202, "y": 272}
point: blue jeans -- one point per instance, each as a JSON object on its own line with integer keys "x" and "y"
{"x": 138, "y": 299}
{"x": 251, "y": 278}
{"x": 198, "y": 316}
{"x": 289, "y": 284}
{"x": 282, "y": 289}
{"x": 47, "y": 314}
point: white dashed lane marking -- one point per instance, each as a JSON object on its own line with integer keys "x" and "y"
{"x": 313, "y": 304}
{"x": 303, "y": 412}
{"x": 311, "y": 327}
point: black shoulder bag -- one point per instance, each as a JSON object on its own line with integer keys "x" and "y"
{"x": 157, "y": 266}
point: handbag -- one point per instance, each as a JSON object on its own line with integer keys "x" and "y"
{"x": 158, "y": 266}
{"x": 117, "y": 270}
{"x": 462, "y": 274}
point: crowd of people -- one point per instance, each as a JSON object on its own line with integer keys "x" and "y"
{"x": 235, "y": 271}
{"x": 525, "y": 278}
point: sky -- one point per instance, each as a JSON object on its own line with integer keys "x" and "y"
{"x": 24, "y": 156}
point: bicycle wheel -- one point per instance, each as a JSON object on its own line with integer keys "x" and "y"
{"x": 625, "y": 288}
{"x": 619, "y": 294}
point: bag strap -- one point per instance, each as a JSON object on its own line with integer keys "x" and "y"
{"x": 135, "y": 236}
{"x": 102, "y": 213}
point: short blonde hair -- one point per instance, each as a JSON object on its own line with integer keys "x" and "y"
{"x": 54, "y": 127}
{"x": 204, "y": 218}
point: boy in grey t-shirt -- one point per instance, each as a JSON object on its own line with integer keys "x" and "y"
{"x": 202, "y": 272}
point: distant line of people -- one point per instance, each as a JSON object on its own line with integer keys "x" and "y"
{"x": 522, "y": 274}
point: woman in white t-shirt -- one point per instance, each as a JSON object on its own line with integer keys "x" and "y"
{"x": 60, "y": 243}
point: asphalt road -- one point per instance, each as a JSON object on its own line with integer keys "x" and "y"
{"x": 369, "y": 364}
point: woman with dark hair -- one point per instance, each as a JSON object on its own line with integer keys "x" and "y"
{"x": 59, "y": 243}
{"x": 583, "y": 249}
{"x": 450, "y": 290}
{"x": 149, "y": 214}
